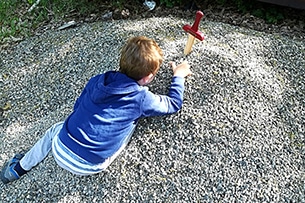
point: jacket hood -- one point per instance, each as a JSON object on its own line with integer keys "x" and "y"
{"x": 113, "y": 83}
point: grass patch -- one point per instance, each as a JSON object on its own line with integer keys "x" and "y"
{"x": 9, "y": 21}
{"x": 17, "y": 22}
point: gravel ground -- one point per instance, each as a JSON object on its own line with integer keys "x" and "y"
{"x": 238, "y": 138}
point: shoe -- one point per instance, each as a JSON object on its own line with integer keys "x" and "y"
{"x": 8, "y": 174}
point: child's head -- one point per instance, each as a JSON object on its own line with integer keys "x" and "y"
{"x": 140, "y": 57}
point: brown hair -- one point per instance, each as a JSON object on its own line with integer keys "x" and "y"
{"x": 140, "y": 57}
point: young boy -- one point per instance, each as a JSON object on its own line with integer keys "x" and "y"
{"x": 105, "y": 114}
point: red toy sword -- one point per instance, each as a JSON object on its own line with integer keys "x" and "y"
{"x": 193, "y": 33}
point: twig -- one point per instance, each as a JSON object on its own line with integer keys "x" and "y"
{"x": 34, "y": 5}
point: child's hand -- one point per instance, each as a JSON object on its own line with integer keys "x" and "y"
{"x": 182, "y": 70}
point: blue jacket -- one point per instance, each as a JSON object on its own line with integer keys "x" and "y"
{"x": 107, "y": 111}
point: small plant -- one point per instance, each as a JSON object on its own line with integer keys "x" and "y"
{"x": 170, "y": 3}
{"x": 274, "y": 16}
{"x": 118, "y": 4}
{"x": 10, "y": 22}
{"x": 31, "y": 2}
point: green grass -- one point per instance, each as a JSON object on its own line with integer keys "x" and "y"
{"x": 16, "y": 21}
{"x": 9, "y": 22}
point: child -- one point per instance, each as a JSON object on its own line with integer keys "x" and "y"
{"x": 105, "y": 114}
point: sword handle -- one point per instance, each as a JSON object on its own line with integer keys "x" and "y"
{"x": 198, "y": 17}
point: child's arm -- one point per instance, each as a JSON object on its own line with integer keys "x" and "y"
{"x": 154, "y": 105}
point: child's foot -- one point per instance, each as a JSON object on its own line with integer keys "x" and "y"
{"x": 8, "y": 174}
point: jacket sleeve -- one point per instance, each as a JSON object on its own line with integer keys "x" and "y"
{"x": 157, "y": 105}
